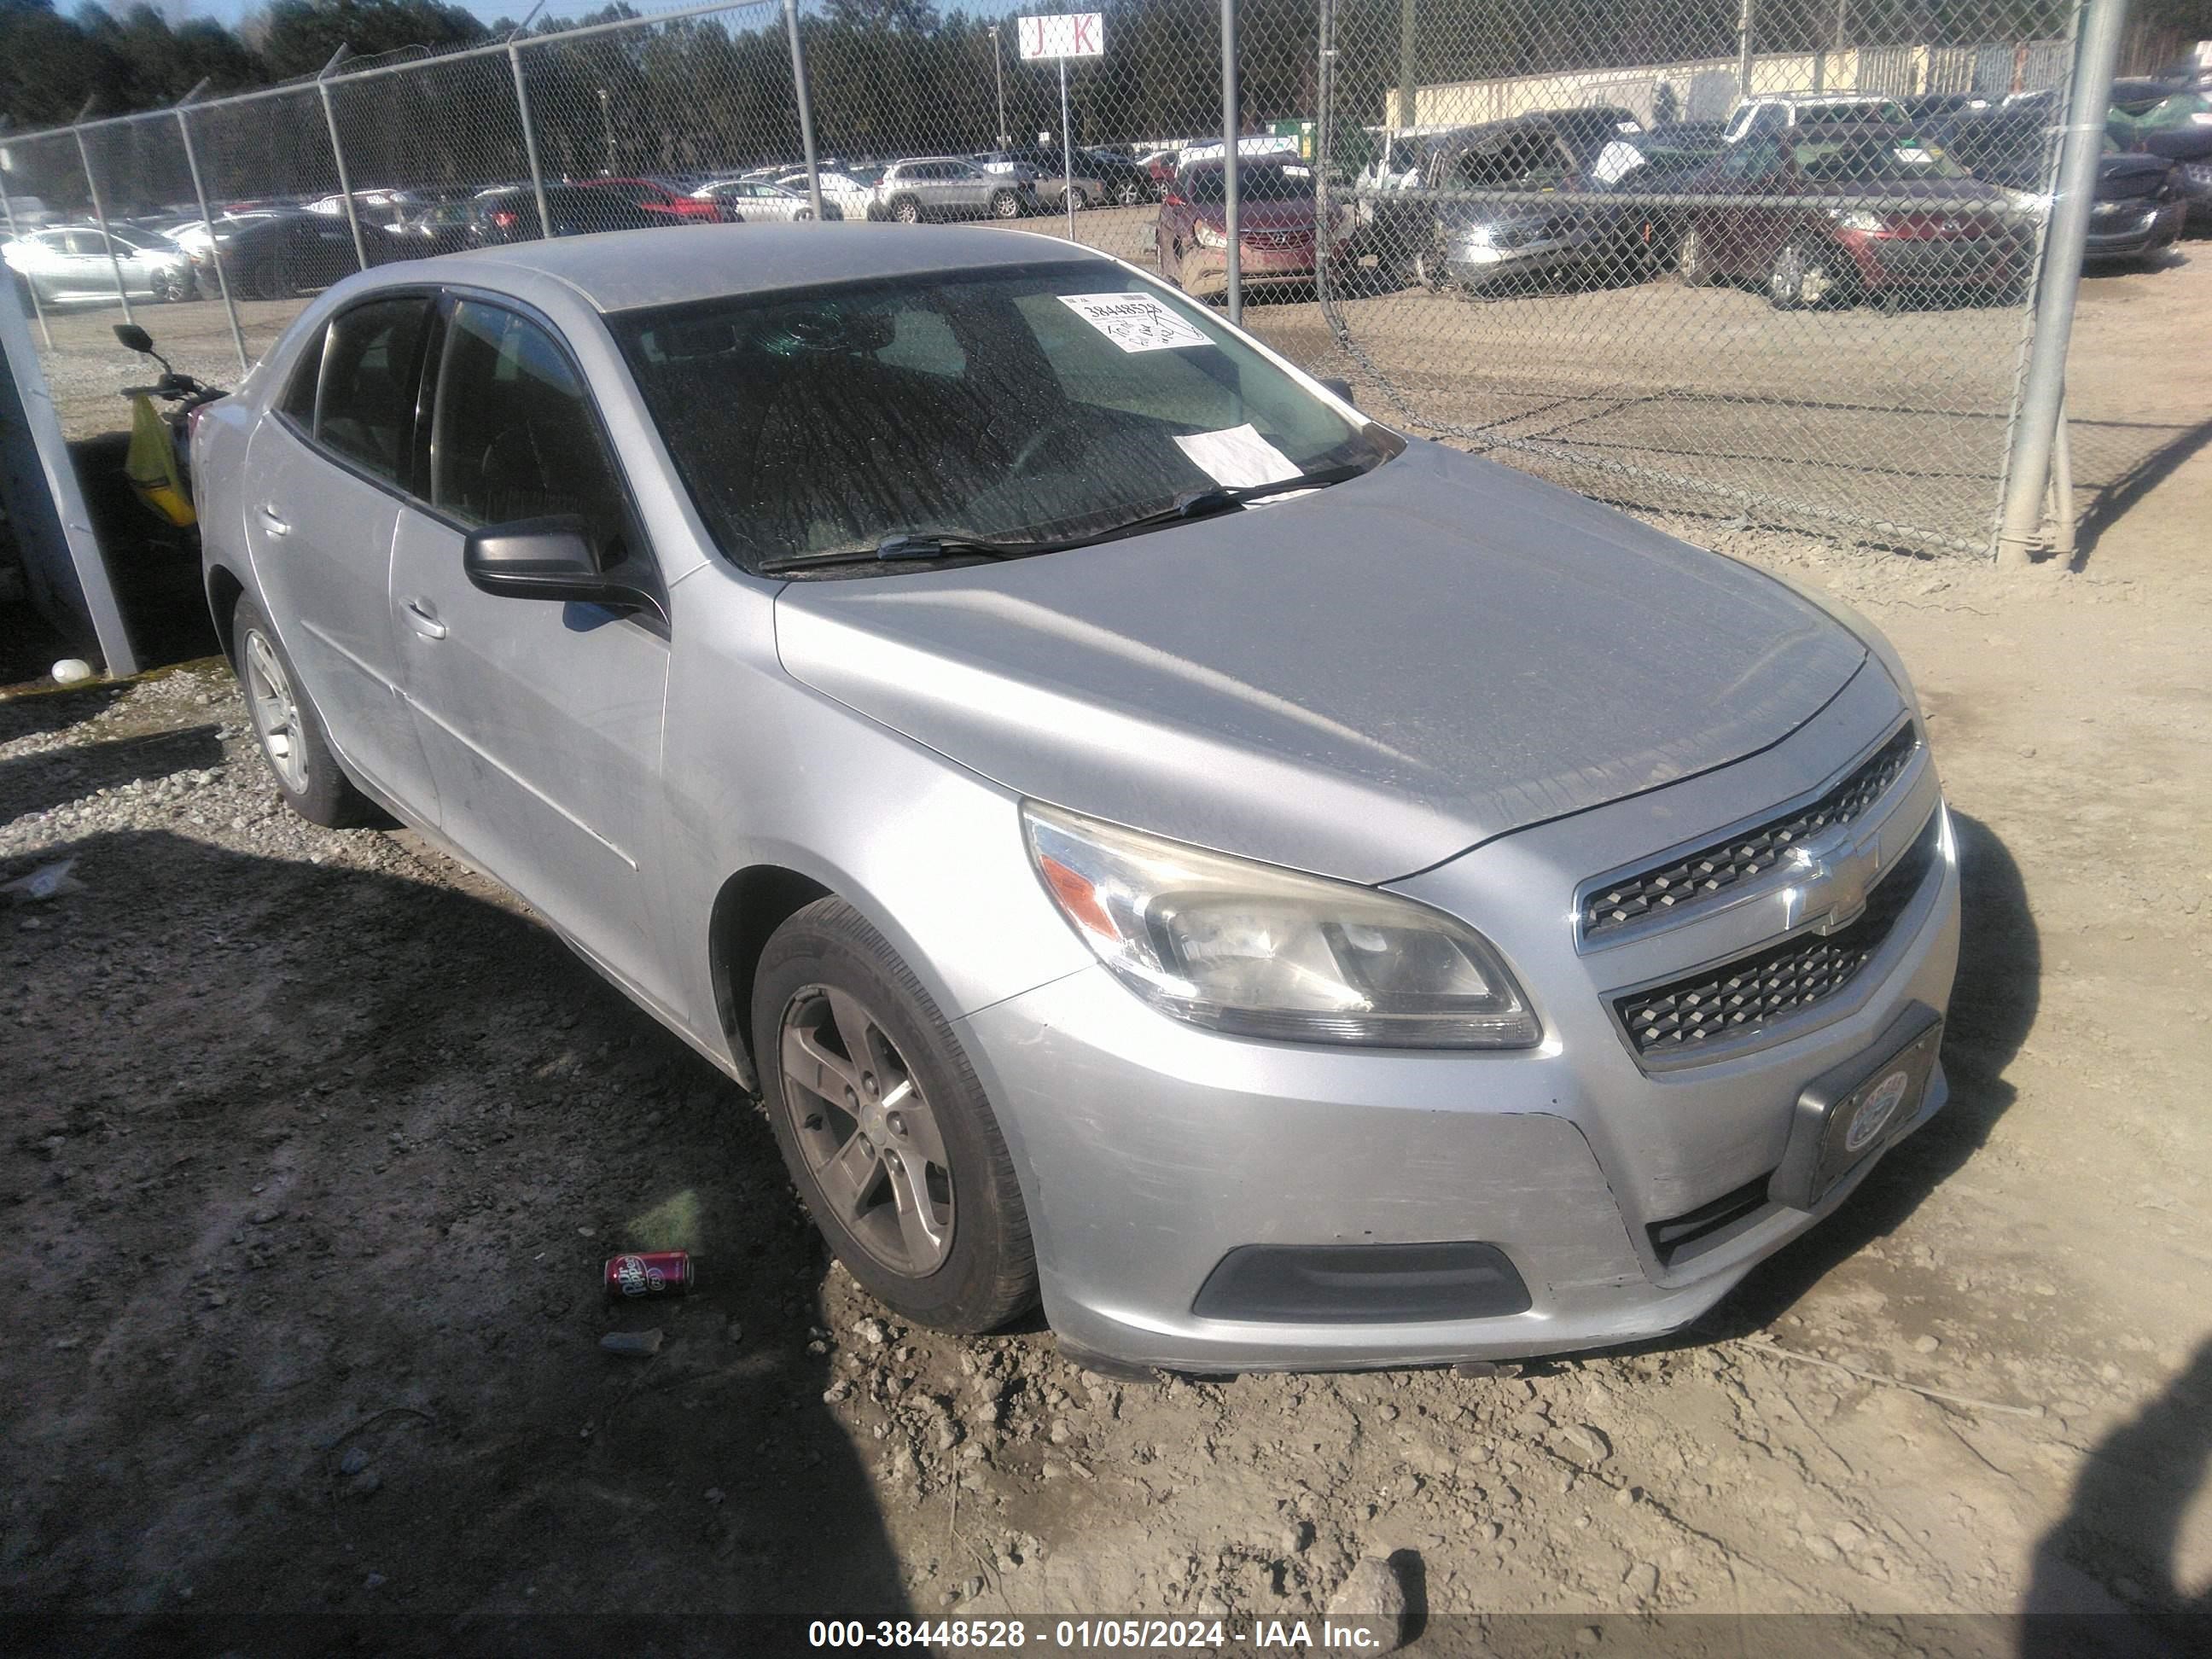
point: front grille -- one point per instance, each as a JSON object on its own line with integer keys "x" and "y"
{"x": 1683, "y": 884}
{"x": 1742, "y": 997}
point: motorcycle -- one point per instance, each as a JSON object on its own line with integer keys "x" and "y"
{"x": 159, "y": 461}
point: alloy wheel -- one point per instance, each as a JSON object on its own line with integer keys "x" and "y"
{"x": 276, "y": 713}
{"x": 866, "y": 1130}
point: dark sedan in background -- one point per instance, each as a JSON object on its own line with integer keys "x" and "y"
{"x": 2139, "y": 206}
{"x": 510, "y": 214}
{"x": 1829, "y": 215}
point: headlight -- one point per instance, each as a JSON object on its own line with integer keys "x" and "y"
{"x": 1475, "y": 235}
{"x": 1855, "y": 218}
{"x": 1259, "y": 951}
{"x": 1209, "y": 237}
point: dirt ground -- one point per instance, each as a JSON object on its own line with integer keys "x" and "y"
{"x": 316, "y": 1143}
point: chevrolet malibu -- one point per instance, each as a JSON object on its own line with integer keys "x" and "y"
{"x": 1284, "y": 893}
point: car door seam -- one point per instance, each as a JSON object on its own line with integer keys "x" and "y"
{"x": 509, "y": 773}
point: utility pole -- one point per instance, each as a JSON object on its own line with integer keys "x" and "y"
{"x": 1406, "y": 82}
{"x": 1744, "y": 19}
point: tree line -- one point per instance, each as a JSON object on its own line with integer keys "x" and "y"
{"x": 889, "y": 77}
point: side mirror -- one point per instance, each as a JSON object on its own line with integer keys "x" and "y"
{"x": 133, "y": 337}
{"x": 1339, "y": 388}
{"x": 550, "y": 559}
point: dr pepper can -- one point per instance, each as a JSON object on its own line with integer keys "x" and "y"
{"x": 649, "y": 1272}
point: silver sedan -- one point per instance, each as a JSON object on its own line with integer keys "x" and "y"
{"x": 1281, "y": 892}
{"x": 759, "y": 201}
{"x": 69, "y": 263}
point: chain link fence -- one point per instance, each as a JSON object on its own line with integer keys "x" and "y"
{"x": 1768, "y": 260}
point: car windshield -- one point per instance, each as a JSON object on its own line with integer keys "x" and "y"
{"x": 1868, "y": 158}
{"x": 1256, "y": 181}
{"x": 1043, "y": 405}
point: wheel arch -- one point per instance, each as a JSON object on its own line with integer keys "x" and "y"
{"x": 224, "y": 590}
{"x": 748, "y": 909}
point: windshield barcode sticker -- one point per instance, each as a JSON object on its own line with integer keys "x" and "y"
{"x": 1134, "y": 322}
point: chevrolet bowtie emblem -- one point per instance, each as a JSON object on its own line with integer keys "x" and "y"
{"x": 1829, "y": 877}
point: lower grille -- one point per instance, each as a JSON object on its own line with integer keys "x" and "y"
{"x": 1741, "y": 997}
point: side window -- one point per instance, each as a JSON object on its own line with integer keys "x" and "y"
{"x": 366, "y": 409}
{"x": 299, "y": 399}
{"x": 514, "y": 436}
{"x": 87, "y": 244}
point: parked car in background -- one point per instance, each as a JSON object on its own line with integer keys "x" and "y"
{"x": 1767, "y": 116}
{"x": 1279, "y": 227}
{"x": 509, "y": 214}
{"x": 951, "y": 187}
{"x": 652, "y": 197}
{"x": 2139, "y": 206}
{"x": 851, "y": 188}
{"x": 1123, "y": 181}
{"x": 1532, "y": 200}
{"x": 434, "y": 227}
{"x": 67, "y": 265}
{"x": 641, "y": 572}
{"x": 763, "y": 201}
{"x": 2178, "y": 128}
{"x": 1042, "y": 167}
{"x": 1831, "y": 214}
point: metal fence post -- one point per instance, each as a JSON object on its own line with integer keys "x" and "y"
{"x": 337, "y": 154}
{"x": 1231, "y": 126}
{"x": 1324, "y": 141}
{"x": 1744, "y": 19}
{"x": 529, "y": 140}
{"x": 2027, "y": 469}
{"x": 1408, "y": 99}
{"x": 99, "y": 218}
{"x": 805, "y": 109}
{"x": 8, "y": 204}
{"x": 207, "y": 218}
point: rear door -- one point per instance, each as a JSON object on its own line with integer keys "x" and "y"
{"x": 324, "y": 469}
{"x": 542, "y": 719}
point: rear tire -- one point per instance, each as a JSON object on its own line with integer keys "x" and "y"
{"x": 291, "y": 736}
{"x": 884, "y": 1127}
{"x": 1130, "y": 194}
{"x": 1690, "y": 261}
{"x": 907, "y": 211}
{"x": 1004, "y": 204}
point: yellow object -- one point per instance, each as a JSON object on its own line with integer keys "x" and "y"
{"x": 151, "y": 465}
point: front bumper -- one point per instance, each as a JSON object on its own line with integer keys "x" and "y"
{"x": 1151, "y": 1149}
{"x": 1900, "y": 261}
{"x": 2146, "y": 226}
{"x": 1476, "y": 265}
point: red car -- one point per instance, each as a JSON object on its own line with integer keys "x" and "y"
{"x": 1276, "y": 225}
{"x": 1827, "y": 215}
{"x": 654, "y": 197}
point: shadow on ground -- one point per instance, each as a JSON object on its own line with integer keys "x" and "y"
{"x": 311, "y": 1173}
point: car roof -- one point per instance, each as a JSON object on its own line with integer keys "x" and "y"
{"x": 623, "y": 270}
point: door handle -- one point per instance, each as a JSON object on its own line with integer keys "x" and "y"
{"x": 424, "y": 621}
{"x": 273, "y": 521}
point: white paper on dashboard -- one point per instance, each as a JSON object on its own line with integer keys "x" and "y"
{"x": 1135, "y": 322}
{"x": 1237, "y": 457}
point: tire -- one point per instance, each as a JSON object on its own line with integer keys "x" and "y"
{"x": 1690, "y": 261}
{"x": 271, "y": 281}
{"x": 1004, "y": 204}
{"x": 961, "y": 1262}
{"x": 169, "y": 290}
{"x": 907, "y": 211}
{"x": 292, "y": 740}
{"x": 1800, "y": 279}
{"x": 1130, "y": 194}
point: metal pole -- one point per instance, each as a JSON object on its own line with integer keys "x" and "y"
{"x": 2062, "y": 492}
{"x": 207, "y": 218}
{"x": 1408, "y": 103}
{"x": 1743, "y": 23}
{"x": 1325, "y": 92}
{"x": 1066, "y": 155}
{"x": 337, "y": 154}
{"x": 8, "y": 201}
{"x": 530, "y": 139}
{"x": 1231, "y": 126}
{"x": 2027, "y": 469}
{"x": 805, "y": 107}
{"x": 999, "y": 75}
{"x": 99, "y": 218}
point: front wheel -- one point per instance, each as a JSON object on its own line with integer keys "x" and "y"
{"x": 1691, "y": 262}
{"x": 1799, "y": 279}
{"x": 1130, "y": 194}
{"x": 1006, "y": 205}
{"x": 885, "y": 1128}
{"x": 291, "y": 736}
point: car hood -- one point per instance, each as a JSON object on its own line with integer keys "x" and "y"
{"x": 1360, "y": 682}
{"x": 2125, "y": 177}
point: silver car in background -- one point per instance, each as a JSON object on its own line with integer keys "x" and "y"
{"x": 70, "y": 263}
{"x": 763, "y": 201}
{"x": 1284, "y": 893}
{"x": 951, "y": 187}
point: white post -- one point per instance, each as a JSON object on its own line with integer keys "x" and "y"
{"x": 1066, "y": 155}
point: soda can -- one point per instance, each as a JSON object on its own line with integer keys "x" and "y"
{"x": 649, "y": 1272}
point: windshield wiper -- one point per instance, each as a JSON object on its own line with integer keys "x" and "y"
{"x": 903, "y": 546}
{"x": 1204, "y": 503}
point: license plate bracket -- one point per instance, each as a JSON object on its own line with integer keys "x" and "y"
{"x": 1846, "y": 1116}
